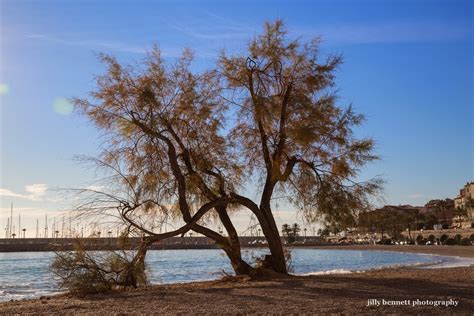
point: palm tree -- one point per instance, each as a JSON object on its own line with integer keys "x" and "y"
{"x": 285, "y": 230}
{"x": 296, "y": 229}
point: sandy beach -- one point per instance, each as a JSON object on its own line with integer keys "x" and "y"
{"x": 396, "y": 291}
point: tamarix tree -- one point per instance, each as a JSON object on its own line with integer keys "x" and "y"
{"x": 186, "y": 143}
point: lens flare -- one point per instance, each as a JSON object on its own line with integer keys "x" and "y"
{"x": 3, "y": 89}
{"x": 62, "y": 106}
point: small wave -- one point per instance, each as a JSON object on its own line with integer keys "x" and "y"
{"x": 333, "y": 271}
{"x": 19, "y": 292}
{"x": 442, "y": 262}
{"x": 17, "y": 295}
{"x": 451, "y": 262}
{"x": 408, "y": 265}
{"x": 393, "y": 266}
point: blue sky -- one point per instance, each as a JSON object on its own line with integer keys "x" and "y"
{"x": 408, "y": 67}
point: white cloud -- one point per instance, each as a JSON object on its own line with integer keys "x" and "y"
{"x": 8, "y": 193}
{"x": 34, "y": 192}
{"x": 98, "y": 188}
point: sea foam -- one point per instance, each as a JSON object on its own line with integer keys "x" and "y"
{"x": 333, "y": 271}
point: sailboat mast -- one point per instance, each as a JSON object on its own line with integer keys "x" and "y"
{"x": 11, "y": 222}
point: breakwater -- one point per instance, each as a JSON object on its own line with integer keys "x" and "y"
{"x": 111, "y": 243}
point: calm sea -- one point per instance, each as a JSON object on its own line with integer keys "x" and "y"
{"x": 26, "y": 275}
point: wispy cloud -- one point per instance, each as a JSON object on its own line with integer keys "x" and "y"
{"x": 106, "y": 45}
{"x": 204, "y": 32}
{"x": 33, "y": 192}
{"x": 389, "y": 32}
{"x": 90, "y": 43}
{"x": 212, "y": 27}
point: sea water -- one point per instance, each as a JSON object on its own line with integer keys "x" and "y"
{"x": 26, "y": 274}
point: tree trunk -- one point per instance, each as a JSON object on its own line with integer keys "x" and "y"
{"x": 278, "y": 260}
{"x": 138, "y": 262}
{"x": 233, "y": 250}
{"x": 270, "y": 230}
{"x": 238, "y": 264}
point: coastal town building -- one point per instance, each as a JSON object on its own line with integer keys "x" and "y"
{"x": 442, "y": 210}
{"x": 464, "y": 204}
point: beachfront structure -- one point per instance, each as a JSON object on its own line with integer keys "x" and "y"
{"x": 465, "y": 201}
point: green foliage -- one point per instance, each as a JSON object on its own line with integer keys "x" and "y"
{"x": 420, "y": 240}
{"x": 324, "y": 232}
{"x": 82, "y": 271}
{"x": 385, "y": 241}
{"x": 450, "y": 242}
{"x": 394, "y": 220}
{"x": 290, "y": 232}
{"x": 465, "y": 242}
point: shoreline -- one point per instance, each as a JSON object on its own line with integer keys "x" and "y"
{"x": 439, "y": 250}
{"x": 321, "y": 293}
{"x": 461, "y": 256}
{"x": 335, "y": 293}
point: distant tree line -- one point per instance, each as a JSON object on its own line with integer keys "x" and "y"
{"x": 393, "y": 220}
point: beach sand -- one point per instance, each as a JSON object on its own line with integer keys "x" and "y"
{"x": 336, "y": 293}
